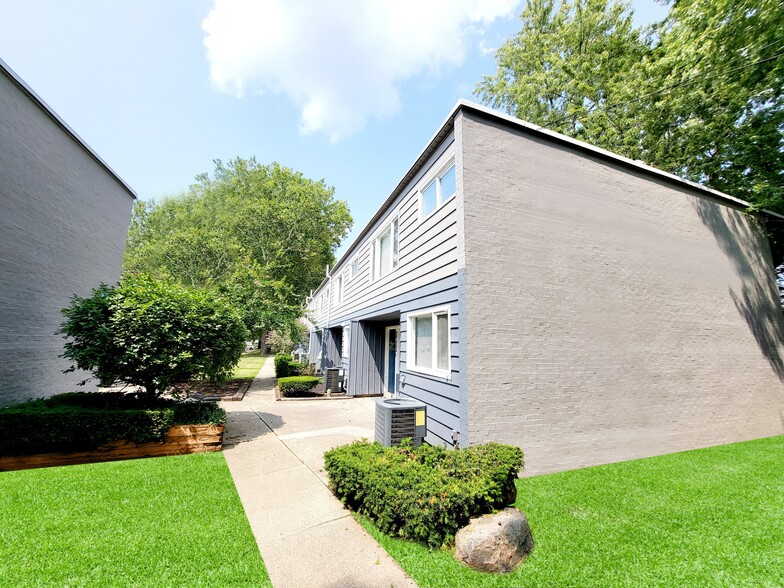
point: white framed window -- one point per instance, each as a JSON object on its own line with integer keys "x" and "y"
{"x": 355, "y": 267}
{"x": 438, "y": 191}
{"x": 384, "y": 253}
{"x": 429, "y": 342}
{"x": 340, "y": 289}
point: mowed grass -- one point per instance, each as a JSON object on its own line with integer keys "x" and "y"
{"x": 249, "y": 365}
{"x": 710, "y": 517}
{"x": 169, "y": 521}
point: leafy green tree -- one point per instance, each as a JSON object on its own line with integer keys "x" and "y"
{"x": 261, "y": 235}
{"x": 152, "y": 333}
{"x": 698, "y": 94}
{"x": 569, "y": 61}
{"x": 284, "y": 340}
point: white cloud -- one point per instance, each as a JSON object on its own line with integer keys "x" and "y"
{"x": 340, "y": 61}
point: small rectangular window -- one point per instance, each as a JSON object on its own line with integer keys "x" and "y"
{"x": 448, "y": 184}
{"x": 429, "y": 199}
{"x": 441, "y": 189}
{"x": 442, "y": 352}
{"x": 429, "y": 341}
{"x": 423, "y": 333}
{"x": 340, "y": 288}
{"x": 384, "y": 253}
{"x": 355, "y": 268}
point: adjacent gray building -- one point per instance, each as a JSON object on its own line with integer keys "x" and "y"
{"x": 536, "y": 290}
{"x": 64, "y": 218}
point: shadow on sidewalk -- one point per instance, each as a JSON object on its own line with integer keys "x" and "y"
{"x": 248, "y": 425}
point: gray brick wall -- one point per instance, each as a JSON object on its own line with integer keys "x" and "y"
{"x": 63, "y": 224}
{"x": 610, "y": 316}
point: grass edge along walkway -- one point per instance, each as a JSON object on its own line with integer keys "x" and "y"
{"x": 169, "y": 521}
{"x": 707, "y": 517}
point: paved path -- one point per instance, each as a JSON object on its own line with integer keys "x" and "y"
{"x": 274, "y": 451}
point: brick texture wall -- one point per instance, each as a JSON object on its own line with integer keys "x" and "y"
{"x": 610, "y": 315}
{"x": 63, "y": 225}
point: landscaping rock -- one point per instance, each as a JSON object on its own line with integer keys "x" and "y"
{"x": 494, "y": 543}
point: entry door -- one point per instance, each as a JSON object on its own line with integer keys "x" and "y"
{"x": 391, "y": 362}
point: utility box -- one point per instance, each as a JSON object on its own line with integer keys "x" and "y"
{"x": 400, "y": 418}
{"x": 333, "y": 380}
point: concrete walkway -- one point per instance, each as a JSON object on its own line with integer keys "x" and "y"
{"x": 274, "y": 451}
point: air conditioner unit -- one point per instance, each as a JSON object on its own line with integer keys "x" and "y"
{"x": 333, "y": 380}
{"x": 400, "y": 418}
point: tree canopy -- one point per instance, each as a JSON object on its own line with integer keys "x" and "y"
{"x": 698, "y": 94}
{"x": 261, "y": 235}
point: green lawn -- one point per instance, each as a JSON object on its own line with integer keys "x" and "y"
{"x": 710, "y": 517}
{"x": 169, "y": 521}
{"x": 249, "y": 365}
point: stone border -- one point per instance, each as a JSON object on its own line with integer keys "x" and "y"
{"x": 179, "y": 440}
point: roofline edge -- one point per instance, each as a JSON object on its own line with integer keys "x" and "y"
{"x": 30, "y": 93}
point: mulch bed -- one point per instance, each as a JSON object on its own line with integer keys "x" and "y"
{"x": 316, "y": 393}
{"x": 200, "y": 390}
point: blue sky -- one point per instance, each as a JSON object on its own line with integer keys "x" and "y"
{"x": 346, "y": 91}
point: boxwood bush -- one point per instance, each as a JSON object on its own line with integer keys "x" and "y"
{"x": 427, "y": 493}
{"x": 285, "y": 366}
{"x": 294, "y": 385}
{"x": 83, "y": 421}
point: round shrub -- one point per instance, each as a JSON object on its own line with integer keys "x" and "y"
{"x": 293, "y": 385}
{"x": 153, "y": 334}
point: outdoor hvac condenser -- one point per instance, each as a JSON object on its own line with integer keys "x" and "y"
{"x": 333, "y": 380}
{"x": 399, "y": 418}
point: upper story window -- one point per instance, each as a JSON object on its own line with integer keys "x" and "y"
{"x": 384, "y": 255}
{"x": 355, "y": 268}
{"x": 441, "y": 189}
{"x": 340, "y": 289}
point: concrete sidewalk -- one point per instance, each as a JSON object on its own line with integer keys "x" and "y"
{"x": 274, "y": 451}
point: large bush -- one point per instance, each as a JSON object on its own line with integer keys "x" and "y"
{"x": 153, "y": 334}
{"x": 285, "y": 366}
{"x": 294, "y": 385}
{"x": 83, "y": 421}
{"x": 427, "y": 493}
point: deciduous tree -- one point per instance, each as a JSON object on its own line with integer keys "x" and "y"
{"x": 260, "y": 235}
{"x": 698, "y": 94}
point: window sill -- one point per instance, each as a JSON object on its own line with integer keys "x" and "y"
{"x": 444, "y": 374}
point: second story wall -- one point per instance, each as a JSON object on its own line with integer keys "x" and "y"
{"x": 413, "y": 244}
{"x": 63, "y": 226}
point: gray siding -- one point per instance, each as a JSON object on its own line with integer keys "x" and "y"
{"x": 63, "y": 226}
{"x": 314, "y": 346}
{"x": 610, "y": 315}
{"x": 428, "y": 251}
{"x": 442, "y": 395}
{"x": 366, "y": 352}
{"x": 333, "y": 349}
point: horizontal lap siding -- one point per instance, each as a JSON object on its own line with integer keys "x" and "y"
{"x": 428, "y": 275}
{"x": 442, "y": 395}
{"x": 427, "y": 252}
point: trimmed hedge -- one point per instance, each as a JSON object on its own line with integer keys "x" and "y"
{"x": 427, "y": 493}
{"x": 83, "y": 421}
{"x": 294, "y": 385}
{"x": 285, "y": 366}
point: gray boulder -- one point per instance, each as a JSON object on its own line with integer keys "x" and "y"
{"x": 496, "y": 542}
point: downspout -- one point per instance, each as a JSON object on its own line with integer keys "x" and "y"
{"x": 327, "y": 332}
